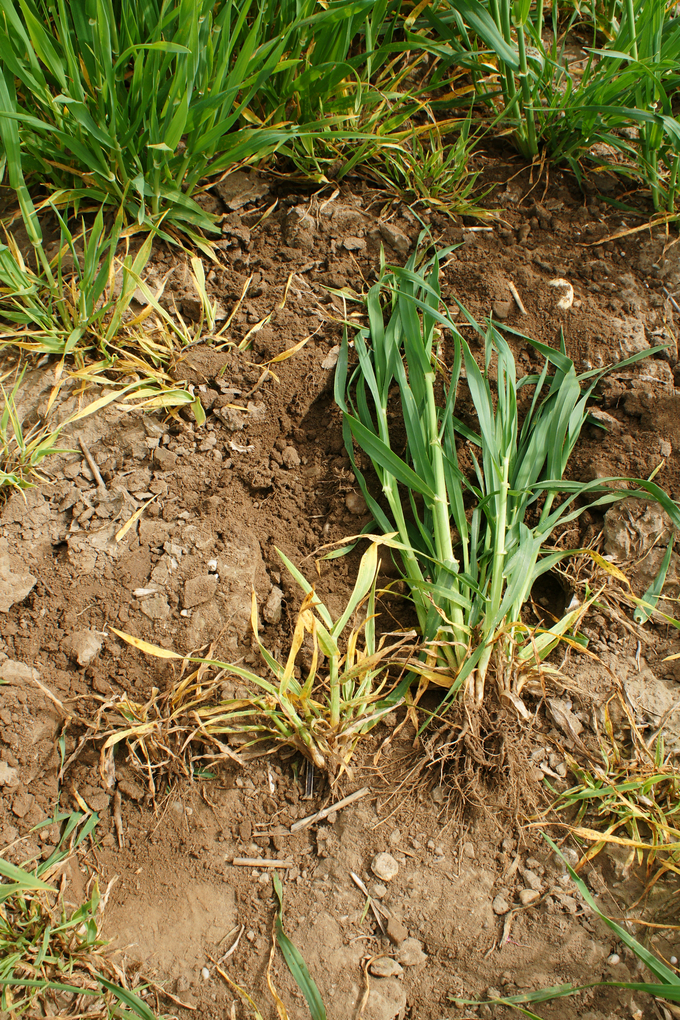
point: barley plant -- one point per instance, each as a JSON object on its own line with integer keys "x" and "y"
{"x": 472, "y": 542}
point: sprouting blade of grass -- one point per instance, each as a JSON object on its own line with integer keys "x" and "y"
{"x": 295, "y": 961}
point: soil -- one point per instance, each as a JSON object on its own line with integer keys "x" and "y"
{"x": 268, "y": 470}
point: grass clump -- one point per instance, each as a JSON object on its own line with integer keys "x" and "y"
{"x": 631, "y": 800}
{"x": 134, "y": 103}
{"x": 52, "y": 960}
{"x": 322, "y": 715}
{"x": 474, "y": 510}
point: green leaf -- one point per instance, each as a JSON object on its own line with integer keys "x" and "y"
{"x": 653, "y": 593}
{"x": 295, "y": 962}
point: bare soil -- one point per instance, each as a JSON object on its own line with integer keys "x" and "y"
{"x": 267, "y": 470}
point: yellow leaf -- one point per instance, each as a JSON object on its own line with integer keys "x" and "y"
{"x": 145, "y": 646}
{"x": 135, "y": 517}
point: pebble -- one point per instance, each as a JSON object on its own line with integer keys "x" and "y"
{"x": 355, "y": 503}
{"x": 531, "y": 879}
{"x": 384, "y": 967}
{"x": 528, "y": 896}
{"x": 378, "y": 891}
{"x": 613, "y": 959}
{"x": 500, "y": 905}
{"x": 384, "y": 867}
{"x": 205, "y": 973}
{"x": 674, "y": 961}
{"x": 396, "y": 931}
{"x": 411, "y": 953}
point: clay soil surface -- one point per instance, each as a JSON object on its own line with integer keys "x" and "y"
{"x": 268, "y": 469}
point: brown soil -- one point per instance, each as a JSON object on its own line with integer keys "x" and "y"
{"x": 274, "y": 474}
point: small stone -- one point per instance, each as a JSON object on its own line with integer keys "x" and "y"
{"x": 532, "y": 880}
{"x": 378, "y": 891}
{"x": 613, "y": 960}
{"x": 493, "y": 993}
{"x": 199, "y": 589}
{"x": 385, "y": 967}
{"x": 8, "y": 775}
{"x": 355, "y": 503}
{"x": 502, "y": 309}
{"x": 164, "y": 459}
{"x": 82, "y": 645}
{"x": 131, "y": 789}
{"x": 245, "y": 830}
{"x": 411, "y": 954}
{"x": 272, "y": 607}
{"x": 290, "y": 457}
{"x": 156, "y": 608}
{"x": 22, "y": 803}
{"x": 396, "y": 238}
{"x": 500, "y": 905}
{"x": 395, "y": 837}
{"x": 384, "y": 867}
{"x": 438, "y": 794}
{"x": 205, "y": 973}
{"x": 468, "y": 850}
{"x": 396, "y": 931}
{"x": 528, "y": 896}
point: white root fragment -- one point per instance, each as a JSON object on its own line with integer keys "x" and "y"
{"x": 567, "y": 299}
{"x": 518, "y": 300}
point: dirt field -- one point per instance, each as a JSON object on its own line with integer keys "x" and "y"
{"x": 276, "y": 475}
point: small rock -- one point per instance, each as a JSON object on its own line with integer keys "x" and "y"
{"x": 438, "y": 794}
{"x": 245, "y": 830}
{"x": 493, "y": 993}
{"x": 22, "y": 803}
{"x": 532, "y": 880}
{"x": 17, "y": 673}
{"x": 10, "y": 776}
{"x": 613, "y": 960}
{"x": 290, "y": 457}
{"x": 378, "y": 891}
{"x": 396, "y": 931}
{"x": 165, "y": 459}
{"x": 355, "y": 503}
{"x": 500, "y": 905}
{"x": 132, "y": 790}
{"x": 396, "y": 238}
{"x": 384, "y": 867}
{"x": 14, "y": 586}
{"x": 665, "y": 448}
{"x": 331, "y": 359}
{"x": 502, "y": 309}
{"x": 528, "y": 896}
{"x": 199, "y": 589}
{"x": 82, "y": 645}
{"x": 354, "y": 244}
{"x": 239, "y": 189}
{"x": 411, "y": 954}
{"x": 385, "y": 967}
{"x": 156, "y": 608}
{"x": 272, "y": 608}
{"x": 468, "y": 850}
{"x": 386, "y": 1000}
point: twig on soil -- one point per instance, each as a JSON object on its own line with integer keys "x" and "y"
{"x": 304, "y": 823}
{"x": 260, "y": 862}
{"x": 101, "y": 484}
{"x": 518, "y": 300}
{"x": 167, "y": 994}
{"x": 117, "y": 820}
{"x": 233, "y": 948}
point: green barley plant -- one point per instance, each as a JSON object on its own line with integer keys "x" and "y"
{"x": 322, "y": 715}
{"x": 472, "y": 539}
{"x": 52, "y": 959}
{"x": 619, "y": 102}
{"x": 133, "y": 103}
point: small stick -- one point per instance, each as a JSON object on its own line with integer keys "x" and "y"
{"x": 303, "y": 823}
{"x": 117, "y": 820}
{"x": 518, "y": 300}
{"x": 233, "y": 948}
{"x": 260, "y": 862}
{"x": 167, "y": 994}
{"x": 101, "y": 484}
